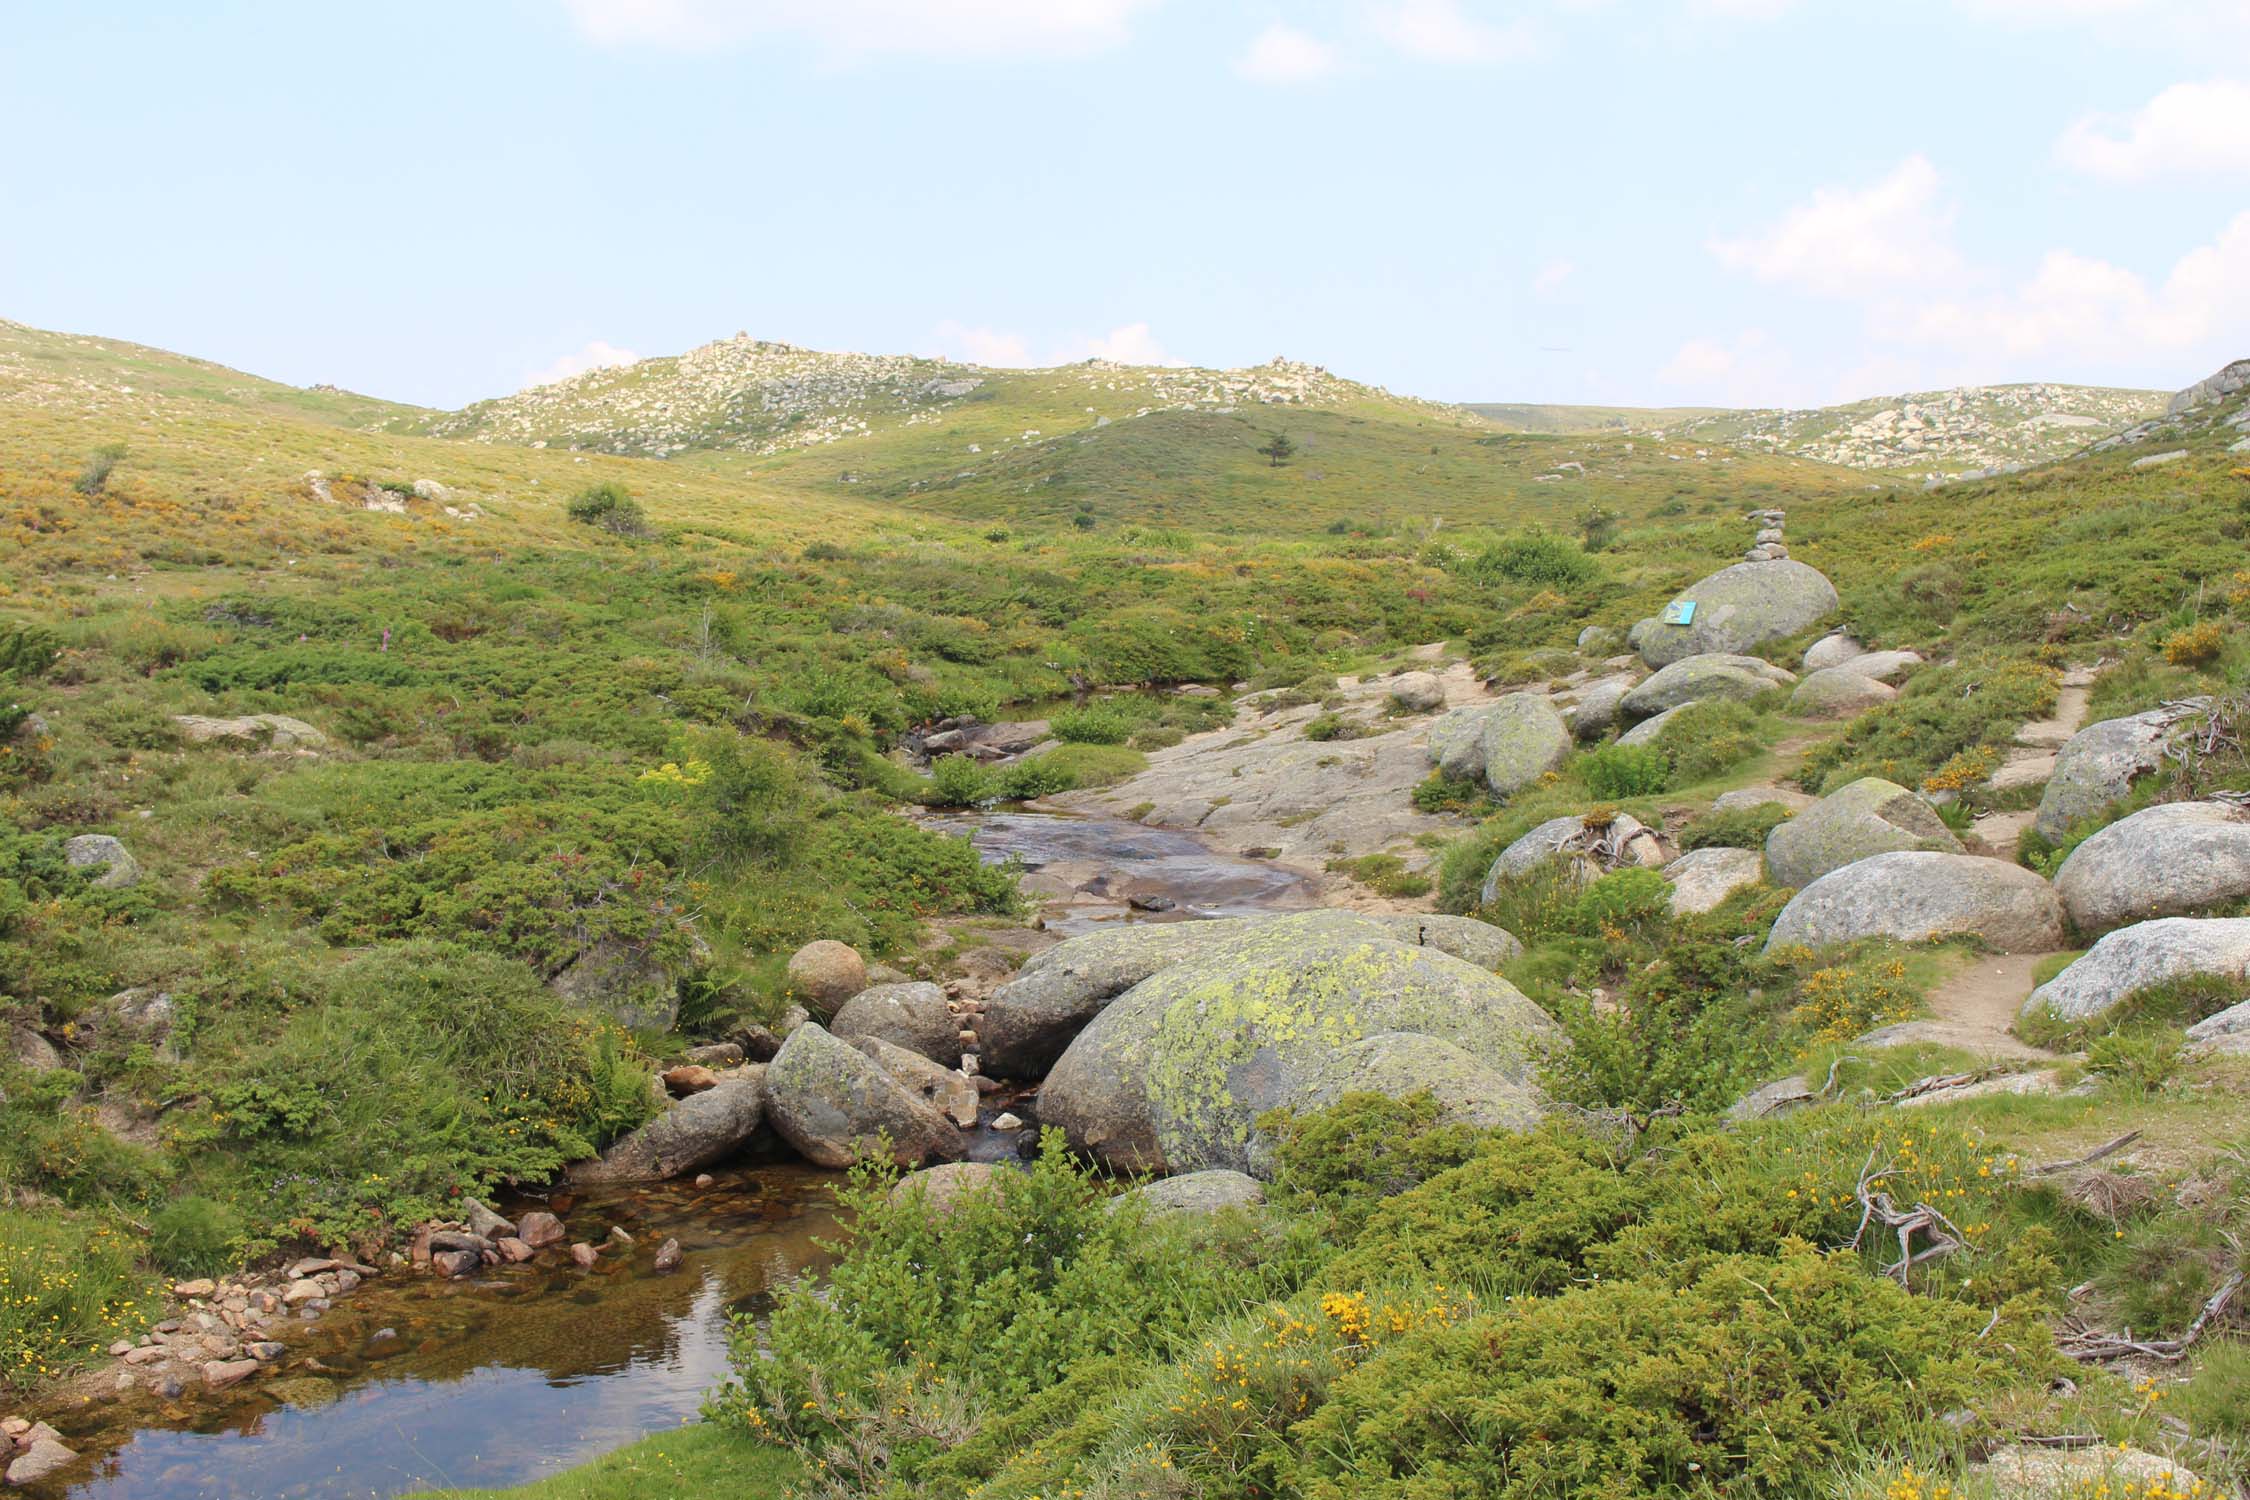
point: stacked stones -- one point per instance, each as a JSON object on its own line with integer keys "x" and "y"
{"x": 1769, "y": 546}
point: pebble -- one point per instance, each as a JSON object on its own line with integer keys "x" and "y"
{"x": 1007, "y": 1122}
{"x": 586, "y": 1255}
{"x": 669, "y": 1256}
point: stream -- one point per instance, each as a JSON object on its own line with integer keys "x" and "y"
{"x": 413, "y": 1382}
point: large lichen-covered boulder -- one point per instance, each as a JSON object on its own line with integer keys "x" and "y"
{"x": 1593, "y": 849}
{"x": 1740, "y": 609}
{"x": 1523, "y": 739}
{"x": 1870, "y": 816}
{"x": 1695, "y": 679}
{"x": 1172, "y": 1075}
{"x": 834, "y": 1103}
{"x": 272, "y": 731}
{"x": 913, "y": 1015}
{"x": 1839, "y": 693}
{"x": 2096, "y": 769}
{"x": 1484, "y": 944}
{"x": 2173, "y": 860}
{"x": 2144, "y": 954}
{"x": 1916, "y": 897}
{"x": 1030, "y": 1020}
{"x": 1467, "y": 1089}
{"x": 1702, "y": 879}
{"x": 693, "y": 1132}
{"x": 1418, "y": 692}
{"x": 949, "y": 1091}
{"x": 1456, "y": 742}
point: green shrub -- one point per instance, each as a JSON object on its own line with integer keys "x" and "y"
{"x": 609, "y": 507}
{"x": 27, "y": 652}
{"x": 1339, "y": 1162}
{"x": 1614, "y": 772}
{"x": 2142, "y": 1059}
{"x": 1095, "y": 724}
{"x": 960, "y": 781}
{"x": 100, "y": 464}
{"x": 1535, "y": 557}
{"x": 1705, "y": 739}
{"x": 1336, "y": 727}
{"x": 196, "y": 1236}
{"x": 1940, "y": 713}
{"x": 1736, "y": 828}
{"x": 1385, "y": 874}
{"x": 2196, "y": 646}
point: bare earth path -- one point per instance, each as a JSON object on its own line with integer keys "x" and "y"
{"x": 1973, "y": 1007}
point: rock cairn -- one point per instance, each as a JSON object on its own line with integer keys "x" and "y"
{"x": 1768, "y": 547}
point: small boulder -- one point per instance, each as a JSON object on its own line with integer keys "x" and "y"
{"x": 1593, "y": 848}
{"x": 2175, "y": 859}
{"x": 1523, "y": 739}
{"x": 1839, "y": 693}
{"x": 913, "y": 1016}
{"x": 1870, "y": 816}
{"x": 1884, "y": 666}
{"x": 1916, "y": 897}
{"x": 1774, "y": 1098}
{"x": 625, "y": 981}
{"x": 832, "y": 1102}
{"x": 98, "y": 851}
{"x": 43, "y": 1458}
{"x": 1703, "y": 878}
{"x": 454, "y": 1263}
{"x": 1418, "y": 692}
{"x": 2096, "y": 768}
{"x": 1831, "y": 650}
{"x": 942, "y": 1186}
{"x": 585, "y": 1256}
{"x": 1696, "y": 679}
{"x": 1750, "y": 798}
{"x": 2137, "y": 957}
{"x": 483, "y": 1221}
{"x": 1456, "y": 742}
{"x": 1597, "y": 707}
{"x": 949, "y": 1091}
{"x": 513, "y": 1250}
{"x": 669, "y": 1255}
{"x": 539, "y": 1229}
{"x": 1196, "y": 1193}
{"x": 688, "y": 1078}
{"x": 693, "y": 1132}
{"x": 715, "y": 1055}
{"x": 825, "y": 973}
{"x": 271, "y": 731}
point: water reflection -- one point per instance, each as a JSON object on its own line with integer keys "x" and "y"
{"x": 414, "y": 1383}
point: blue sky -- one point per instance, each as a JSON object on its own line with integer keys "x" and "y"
{"x": 1617, "y": 201}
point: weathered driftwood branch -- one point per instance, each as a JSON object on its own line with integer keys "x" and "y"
{"x": 1877, "y": 1207}
{"x": 1938, "y": 1082}
{"x": 2107, "y": 1148}
{"x": 2091, "y": 1345}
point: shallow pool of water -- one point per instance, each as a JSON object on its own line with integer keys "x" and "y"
{"x": 492, "y": 1380}
{"x": 1111, "y": 862}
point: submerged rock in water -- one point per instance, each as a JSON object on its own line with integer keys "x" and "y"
{"x": 1174, "y": 1073}
{"x": 694, "y": 1132}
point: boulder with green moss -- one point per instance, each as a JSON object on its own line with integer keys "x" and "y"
{"x": 1916, "y": 896}
{"x": 1871, "y": 816}
{"x": 1523, "y": 738}
{"x": 2176, "y": 859}
{"x": 1740, "y": 609}
{"x": 834, "y": 1103}
{"x": 1697, "y": 679}
{"x": 1174, "y": 1073}
{"x": 2141, "y": 956}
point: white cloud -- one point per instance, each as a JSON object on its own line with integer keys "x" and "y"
{"x": 2075, "y": 305}
{"x": 1441, "y": 31}
{"x": 1283, "y": 54}
{"x": 598, "y": 355}
{"x": 1551, "y": 277}
{"x": 1847, "y": 242}
{"x": 984, "y": 346}
{"x": 1130, "y": 344}
{"x": 2188, "y": 128}
{"x": 954, "y": 28}
{"x": 1749, "y": 10}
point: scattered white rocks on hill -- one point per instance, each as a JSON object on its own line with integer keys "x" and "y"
{"x": 1916, "y": 896}
{"x": 1870, "y": 816}
{"x": 2144, "y": 954}
{"x": 2175, "y": 859}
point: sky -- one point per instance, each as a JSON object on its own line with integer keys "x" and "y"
{"x": 1645, "y": 202}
